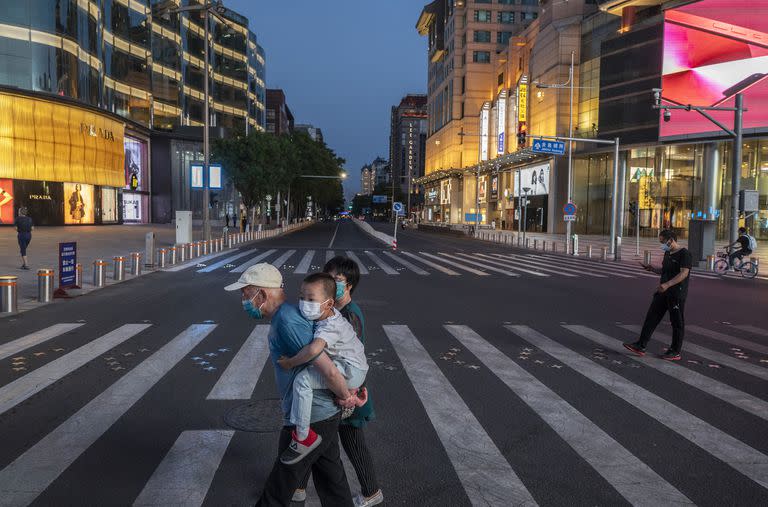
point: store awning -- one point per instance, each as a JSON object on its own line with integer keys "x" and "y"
{"x": 496, "y": 165}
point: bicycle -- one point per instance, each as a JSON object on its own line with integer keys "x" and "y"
{"x": 747, "y": 269}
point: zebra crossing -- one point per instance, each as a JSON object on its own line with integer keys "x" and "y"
{"x": 423, "y": 263}
{"x": 713, "y": 372}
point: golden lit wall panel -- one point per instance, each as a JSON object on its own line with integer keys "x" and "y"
{"x": 44, "y": 140}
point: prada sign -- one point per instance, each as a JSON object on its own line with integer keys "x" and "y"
{"x": 94, "y": 131}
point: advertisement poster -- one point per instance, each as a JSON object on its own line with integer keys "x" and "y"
{"x": 6, "y": 201}
{"x": 131, "y": 207}
{"x": 196, "y": 175}
{"x": 135, "y": 163}
{"x": 214, "y": 176}
{"x": 494, "y": 187}
{"x": 67, "y": 265}
{"x": 714, "y": 49}
{"x": 535, "y": 179}
{"x": 482, "y": 189}
{"x": 78, "y": 203}
{"x": 108, "y": 205}
{"x": 445, "y": 192}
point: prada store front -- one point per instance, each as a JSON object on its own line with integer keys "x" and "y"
{"x": 63, "y": 162}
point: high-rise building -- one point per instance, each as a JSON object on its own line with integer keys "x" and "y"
{"x": 367, "y": 180}
{"x": 95, "y": 83}
{"x": 407, "y": 139}
{"x": 314, "y": 132}
{"x": 373, "y": 175}
{"x": 279, "y": 115}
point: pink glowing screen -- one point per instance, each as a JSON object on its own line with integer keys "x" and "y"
{"x": 714, "y": 49}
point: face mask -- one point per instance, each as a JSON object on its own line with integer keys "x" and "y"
{"x": 340, "y": 288}
{"x": 311, "y": 310}
{"x": 665, "y": 247}
{"x": 252, "y": 310}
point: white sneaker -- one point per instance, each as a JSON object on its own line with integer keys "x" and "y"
{"x": 374, "y": 499}
{"x": 299, "y": 495}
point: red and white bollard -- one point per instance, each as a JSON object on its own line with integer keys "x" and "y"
{"x": 394, "y": 244}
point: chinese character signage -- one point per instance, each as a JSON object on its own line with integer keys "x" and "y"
{"x": 67, "y": 265}
{"x": 522, "y": 101}
{"x": 501, "y": 117}
{"x": 485, "y": 118}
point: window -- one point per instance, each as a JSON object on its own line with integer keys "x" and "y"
{"x": 528, "y": 16}
{"x": 483, "y": 16}
{"x": 482, "y": 36}
{"x": 503, "y": 37}
{"x": 481, "y": 56}
{"x": 506, "y": 17}
{"x": 505, "y": 2}
{"x": 530, "y": 2}
{"x": 501, "y": 79}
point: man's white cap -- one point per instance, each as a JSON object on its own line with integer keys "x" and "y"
{"x": 262, "y": 275}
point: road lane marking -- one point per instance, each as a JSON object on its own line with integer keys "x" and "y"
{"x": 432, "y": 264}
{"x": 305, "y": 263}
{"x": 363, "y": 269}
{"x": 253, "y": 261}
{"x": 730, "y": 361}
{"x": 591, "y": 265}
{"x": 330, "y": 245}
{"x": 560, "y": 270}
{"x": 381, "y": 264}
{"x": 35, "y": 381}
{"x": 36, "y": 338}
{"x": 239, "y": 379}
{"x": 456, "y": 264}
{"x": 187, "y": 471}
{"x": 194, "y": 262}
{"x": 752, "y": 329}
{"x": 226, "y": 261}
{"x": 632, "y": 478}
{"x": 728, "y": 394}
{"x": 719, "y": 444}
{"x": 496, "y": 262}
{"x": 715, "y": 335}
{"x": 405, "y": 263}
{"x": 478, "y": 264}
{"x": 281, "y": 260}
{"x": 329, "y": 254}
{"x": 486, "y": 475}
{"x": 31, "y": 473}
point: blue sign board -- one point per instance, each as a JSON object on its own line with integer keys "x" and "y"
{"x": 398, "y": 207}
{"x": 569, "y": 209}
{"x": 379, "y": 199}
{"x": 67, "y": 264}
{"x": 472, "y": 217}
{"x": 551, "y": 147}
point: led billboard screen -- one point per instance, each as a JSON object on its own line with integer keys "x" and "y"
{"x": 714, "y": 49}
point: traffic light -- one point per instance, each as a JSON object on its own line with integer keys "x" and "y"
{"x": 521, "y": 140}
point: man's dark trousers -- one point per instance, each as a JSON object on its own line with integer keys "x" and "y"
{"x": 327, "y": 470}
{"x": 661, "y": 304}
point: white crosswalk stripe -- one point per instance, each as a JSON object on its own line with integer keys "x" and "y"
{"x": 723, "y": 337}
{"x": 239, "y": 379}
{"x": 719, "y": 444}
{"x": 360, "y": 265}
{"x": 36, "y": 338}
{"x": 632, "y": 478}
{"x": 381, "y": 264}
{"x": 305, "y": 263}
{"x": 460, "y": 257}
{"x": 752, "y": 329}
{"x": 611, "y": 268}
{"x": 517, "y": 261}
{"x": 456, "y": 264}
{"x": 31, "y": 473}
{"x": 482, "y": 469}
{"x": 496, "y": 262}
{"x": 226, "y": 261}
{"x": 405, "y": 263}
{"x": 253, "y": 261}
{"x": 431, "y": 264}
{"x": 732, "y": 362}
{"x": 283, "y": 258}
{"x": 329, "y": 254}
{"x": 186, "y": 472}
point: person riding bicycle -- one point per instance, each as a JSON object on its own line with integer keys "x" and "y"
{"x": 746, "y": 243}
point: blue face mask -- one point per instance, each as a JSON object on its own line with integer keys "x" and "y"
{"x": 665, "y": 247}
{"x": 252, "y": 310}
{"x": 340, "y": 288}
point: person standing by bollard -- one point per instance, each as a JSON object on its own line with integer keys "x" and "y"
{"x": 670, "y": 296}
{"x": 24, "y": 227}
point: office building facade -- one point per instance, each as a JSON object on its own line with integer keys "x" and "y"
{"x": 407, "y": 146}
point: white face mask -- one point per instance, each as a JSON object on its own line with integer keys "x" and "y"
{"x": 311, "y": 310}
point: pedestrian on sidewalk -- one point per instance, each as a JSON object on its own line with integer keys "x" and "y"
{"x": 24, "y": 227}
{"x": 226, "y": 220}
{"x": 669, "y": 297}
{"x": 346, "y": 272}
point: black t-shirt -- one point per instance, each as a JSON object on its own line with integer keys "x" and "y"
{"x": 744, "y": 242}
{"x": 23, "y": 224}
{"x": 671, "y": 266}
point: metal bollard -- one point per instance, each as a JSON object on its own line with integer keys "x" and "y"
{"x": 575, "y": 245}
{"x": 78, "y": 275}
{"x": 554, "y": 246}
{"x": 190, "y": 252}
{"x": 535, "y": 244}
{"x": 221, "y": 244}
{"x": 118, "y": 273}
{"x": 198, "y": 248}
{"x": 204, "y": 247}
{"x": 527, "y": 242}
{"x": 135, "y": 264}
{"x": 617, "y": 254}
{"x": 172, "y": 255}
{"x": 603, "y": 253}
{"x": 9, "y": 294}
{"x": 589, "y": 251}
{"x": 710, "y": 262}
{"x": 229, "y": 241}
{"x": 161, "y": 257}
{"x": 44, "y": 285}
{"x": 647, "y": 257}
{"x": 544, "y": 245}
{"x": 98, "y": 272}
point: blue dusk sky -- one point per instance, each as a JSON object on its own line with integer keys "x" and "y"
{"x": 343, "y": 65}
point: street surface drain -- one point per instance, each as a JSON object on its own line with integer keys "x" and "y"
{"x": 261, "y": 416}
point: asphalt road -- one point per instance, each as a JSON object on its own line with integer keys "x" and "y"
{"x": 548, "y": 410}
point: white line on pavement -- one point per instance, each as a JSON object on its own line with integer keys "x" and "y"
{"x": 305, "y": 263}
{"x": 456, "y": 264}
{"x": 514, "y": 267}
{"x": 381, "y": 264}
{"x": 253, "y": 261}
{"x": 239, "y": 379}
{"x": 479, "y": 264}
{"x": 186, "y": 472}
{"x": 405, "y": 263}
{"x": 31, "y": 473}
{"x": 22, "y": 388}
{"x": 732, "y": 362}
{"x": 485, "y": 474}
{"x": 715, "y": 335}
{"x": 330, "y": 245}
{"x": 719, "y": 444}
{"x": 752, "y": 329}
{"x": 432, "y": 264}
{"x": 281, "y": 260}
{"x": 632, "y": 478}
{"x": 611, "y": 269}
{"x": 226, "y": 261}
{"x": 710, "y": 386}
{"x": 36, "y": 338}
{"x": 329, "y": 254}
{"x": 194, "y": 262}
{"x": 363, "y": 269}
{"x": 549, "y": 268}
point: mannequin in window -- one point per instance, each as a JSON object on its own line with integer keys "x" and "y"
{"x": 77, "y": 205}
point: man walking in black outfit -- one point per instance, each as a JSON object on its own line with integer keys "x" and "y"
{"x": 669, "y": 297}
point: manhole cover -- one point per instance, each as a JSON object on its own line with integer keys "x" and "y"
{"x": 261, "y": 416}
